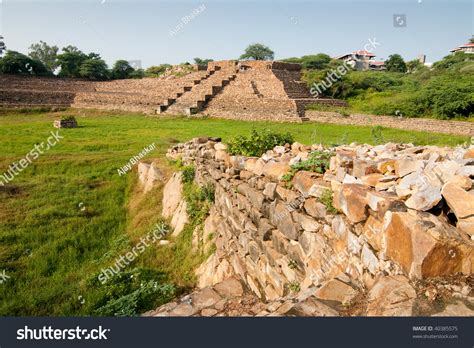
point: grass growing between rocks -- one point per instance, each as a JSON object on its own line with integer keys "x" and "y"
{"x": 69, "y": 213}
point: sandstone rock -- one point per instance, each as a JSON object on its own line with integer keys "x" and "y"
{"x": 179, "y": 218}
{"x": 281, "y": 217}
{"x": 406, "y": 166}
{"x": 424, "y": 199}
{"x": 303, "y": 181}
{"x": 153, "y": 176}
{"x": 315, "y": 208}
{"x": 183, "y": 310}
{"x": 335, "y": 290}
{"x": 463, "y": 182}
{"x": 352, "y": 200}
{"x": 364, "y": 167}
{"x": 275, "y": 170}
{"x": 208, "y": 312}
{"x": 172, "y": 195}
{"x": 207, "y": 297}
{"x": 307, "y": 223}
{"x": 220, "y": 146}
{"x": 372, "y": 179}
{"x": 312, "y": 308}
{"x": 230, "y": 287}
{"x": 270, "y": 190}
{"x": 423, "y": 246}
{"x": 459, "y": 200}
{"x": 369, "y": 259}
{"x": 391, "y": 296}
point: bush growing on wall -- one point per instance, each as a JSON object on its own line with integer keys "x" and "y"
{"x": 258, "y": 142}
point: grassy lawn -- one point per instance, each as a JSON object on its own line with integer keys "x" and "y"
{"x": 69, "y": 214}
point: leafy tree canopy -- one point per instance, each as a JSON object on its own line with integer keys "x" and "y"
{"x": 395, "y": 63}
{"x": 94, "y": 69}
{"x": 17, "y": 63}
{"x": 122, "y": 70}
{"x": 44, "y": 53}
{"x": 258, "y": 52}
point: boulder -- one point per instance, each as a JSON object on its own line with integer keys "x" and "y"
{"x": 391, "y": 296}
{"x": 423, "y": 245}
{"x": 275, "y": 170}
{"x": 460, "y": 201}
{"x": 172, "y": 195}
{"x": 335, "y": 290}
{"x": 352, "y": 201}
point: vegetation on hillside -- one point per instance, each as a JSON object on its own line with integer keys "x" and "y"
{"x": 410, "y": 89}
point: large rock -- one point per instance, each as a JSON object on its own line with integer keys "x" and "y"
{"x": 423, "y": 245}
{"x": 179, "y": 218}
{"x": 461, "y": 203}
{"x": 391, "y": 296}
{"x": 352, "y": 201}
{"x": 172, "y": 195}
{"x": 275, "y": 170}
{"x": 335, "y": 290}
{"x": 424, "y": 199}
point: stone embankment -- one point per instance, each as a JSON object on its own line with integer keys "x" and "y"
{"x": 387, "y": 230}
{"x": 411, "y": 124}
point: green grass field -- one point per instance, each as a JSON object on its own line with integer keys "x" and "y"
{"x": 69, "y": 213}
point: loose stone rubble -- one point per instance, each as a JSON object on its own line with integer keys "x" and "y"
{"x": 404, "y": 223}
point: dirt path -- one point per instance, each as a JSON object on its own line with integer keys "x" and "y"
{"x": 413, "y": 124}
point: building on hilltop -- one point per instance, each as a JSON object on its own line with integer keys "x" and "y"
{"x": 466, "y": 48}
{"x": 362, "y": 60}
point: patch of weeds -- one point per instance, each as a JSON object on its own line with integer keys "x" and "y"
{"x": 294, "y": 286}
{"x": 326, "y": 199}
{"x": 377, "y": 135}
{"x": 199, "y": 201}
{"x": 129, "y": 293}
{"x": 258, "y": 142}
{"x": 292, "y": 264}
{"x": 318, "y": 162}
{"x": 188, "y": 174}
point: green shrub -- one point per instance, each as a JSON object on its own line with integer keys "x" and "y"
{"x": 258, "y": 142}
{"x": 318, "y": 162}
{"x": 326, "y": 199}
{"x": 131, "y": 292}
{"x": 198, "y": 200}
{"x": 188, "y": 174}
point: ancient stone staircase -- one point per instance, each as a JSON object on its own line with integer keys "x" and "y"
{"x": 170, "y": 101}
{"x": 194, "y": 99}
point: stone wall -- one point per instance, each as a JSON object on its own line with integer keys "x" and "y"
{"x": 403, "y": 215}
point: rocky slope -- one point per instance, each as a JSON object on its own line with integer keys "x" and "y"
{"x": 397, "y": 239}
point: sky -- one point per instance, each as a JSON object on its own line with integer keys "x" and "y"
{"x": 156, "y": 32}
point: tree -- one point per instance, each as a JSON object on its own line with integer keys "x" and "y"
{"x": 17, "y": 63}
{"x": 203, "y": 62}
{"x": 2, "y": 45}
{"x": 471, "y": 40}
{"x": 258, "y": 52}
{"x": 122, "y": 70}
{"x": 318, "y": 61}
{"x": 395, "y": 63}
{"x": 46, "y": 54}
{"x": 155, "y": 71}
{"x": 94, "y": 69}
{"x": 70, "y": 61}
{"x": 414, "y": 65}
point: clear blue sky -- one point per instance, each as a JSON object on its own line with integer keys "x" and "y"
{"x": 140, "y": 30}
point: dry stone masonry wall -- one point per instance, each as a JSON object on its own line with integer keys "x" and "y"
{"x": 401, "y": 230}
